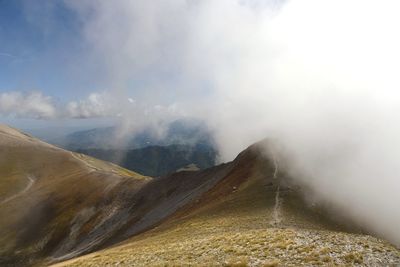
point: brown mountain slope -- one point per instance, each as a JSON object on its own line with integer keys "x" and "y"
{"x": 57, "y": 205}
{"x": 242, "y": 213}
{"x": 54, "y": 202}
{"x": 77, "y": 204}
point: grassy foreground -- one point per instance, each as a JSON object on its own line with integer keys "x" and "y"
{"x": 228, "y": 241}
{"x": 240, "y": 231}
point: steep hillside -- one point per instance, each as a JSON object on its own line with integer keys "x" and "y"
{"x": 55, "y": 202}
{"x": 59, "y": 205}
{"x": 250, "y": 213}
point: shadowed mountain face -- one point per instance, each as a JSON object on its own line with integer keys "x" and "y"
{"x": 243, "y": 212}
{"x": 157, "y": 160}
{"x": 58, "y": 204}
{"x": 53, "y": 200}
{"x": 184, "y": 142}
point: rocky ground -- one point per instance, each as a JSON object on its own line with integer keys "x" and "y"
{"x": 262, "y": 247}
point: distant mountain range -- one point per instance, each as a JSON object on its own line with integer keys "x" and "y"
{"x": 184, "y": 142}
{"x": 180, "y": 132}
{"x": 157, "y": 160}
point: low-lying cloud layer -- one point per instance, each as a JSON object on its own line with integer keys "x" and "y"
{"x": 38, "y": 106}
{"x": 97, "y": 105}
{"x": 28, "y": 105}
{"x": 320, "y": 77}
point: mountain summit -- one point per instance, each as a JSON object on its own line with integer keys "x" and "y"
{"x": 57, "y": 205}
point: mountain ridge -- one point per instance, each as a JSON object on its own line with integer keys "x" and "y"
{"x": 242, "y": 212}
{"x": 234, "y": 224}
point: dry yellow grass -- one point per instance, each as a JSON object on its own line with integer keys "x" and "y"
{"x": 213, "y": 243}
{"x": 238, "y": 232}
{"x": 234, "y": 228}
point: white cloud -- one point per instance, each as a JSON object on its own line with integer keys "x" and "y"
{"x": 28, "y": 105}
{"x": 318, "y": 76}
{"x": 321, "y": 77}
{"x": 96, "y": 105}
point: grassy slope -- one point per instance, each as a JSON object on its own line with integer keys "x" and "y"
{"x": 232, "y": 225}
{"x": 71, "y": 195}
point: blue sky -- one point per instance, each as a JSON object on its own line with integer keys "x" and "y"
{"x": 39, "y": 45}
{"x": 42, "y": 49}
{"x": 67, "y": 51}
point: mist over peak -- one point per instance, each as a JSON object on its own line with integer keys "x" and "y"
{"x": 320, "y": 78}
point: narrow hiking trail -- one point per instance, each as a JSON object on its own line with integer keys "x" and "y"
{"x": 276, "y": 214}
{"x": 31, "y": 181}
{"x": 87, "y": 164}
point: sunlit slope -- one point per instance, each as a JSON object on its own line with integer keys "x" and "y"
{"x": 242, "y": 220}
{"x": 54, "y": 202}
